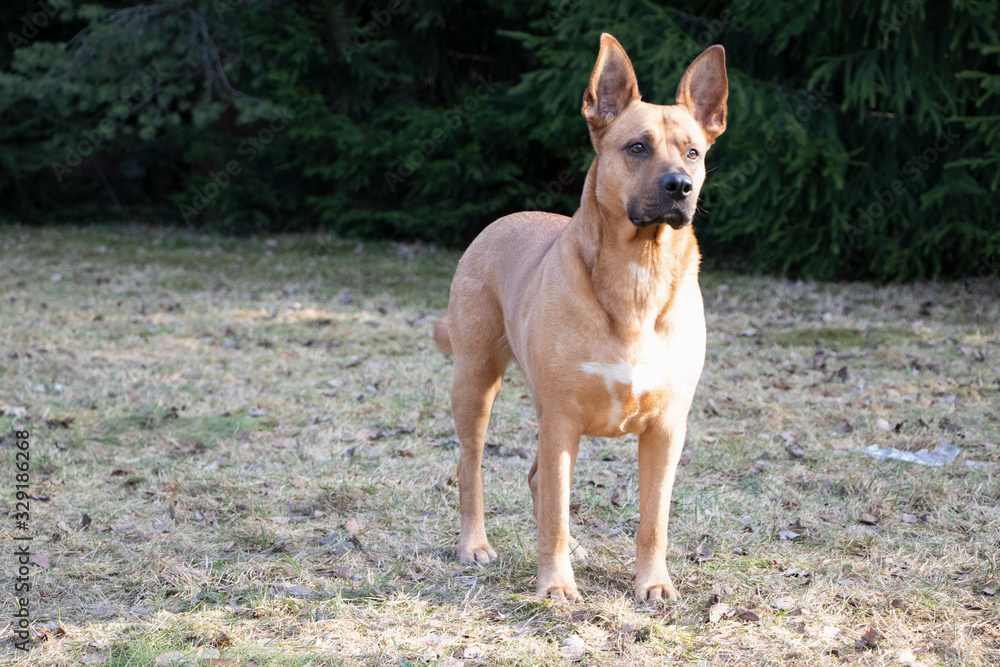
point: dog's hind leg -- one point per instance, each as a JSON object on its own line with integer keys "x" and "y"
{"x": 478, "y": 377}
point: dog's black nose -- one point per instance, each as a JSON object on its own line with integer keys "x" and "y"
{"x": 678, "y": 185}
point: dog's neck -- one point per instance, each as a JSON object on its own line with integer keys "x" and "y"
{"x": 635, "y": 272}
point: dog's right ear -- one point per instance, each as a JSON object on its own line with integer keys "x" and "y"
{"x": 612, "y": 85}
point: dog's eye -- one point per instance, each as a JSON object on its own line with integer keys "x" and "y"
{"x": 637, "y": 148}
{"x": 693, "y": 154}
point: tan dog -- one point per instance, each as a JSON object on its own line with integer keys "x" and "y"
{"x": 602, "y": 311}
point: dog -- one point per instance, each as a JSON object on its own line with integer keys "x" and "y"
{"x": 602, "y": 312}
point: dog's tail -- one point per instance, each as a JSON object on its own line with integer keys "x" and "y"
{"x": 441, "y": 336}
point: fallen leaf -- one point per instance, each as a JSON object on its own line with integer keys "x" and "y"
{"x": 909, "y": 518}
{"x": 299, "y": 591}
{"x": 832, "y": 518}
{"x": 788, "y": 535}
{"x": 784, "y": 603}
{"x": 173, "y": 659}
{"x": 948, "y": 425}
{"x": 573, "y": 649}
{"x": 352, "y": 527}
{"x": 185, "y": 450}
{"x": 795, "y": 450}
{"x": 12, "y": 410}
{"x": 719, "y": 611}
{"x": 908, "y": 659}
{"x": 702, "y": 553}
{"x": 722, "y": 590}
{"x": 867, "y": 518}
{"x": 869, "y": 640}
{"x": 597, "y": 524}
{"x": 851, "y": 580}
{"x": 41, "y": 560}
{"x": 49, "y": 630}
{"x": 747, "y": 616}
{"x": 470, "y": 652}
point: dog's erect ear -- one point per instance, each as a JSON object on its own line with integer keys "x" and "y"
{"x": 612, "y": 85}
{"x": 705, "y": 89}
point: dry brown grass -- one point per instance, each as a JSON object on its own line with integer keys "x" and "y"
{"x": 323, "y": 530}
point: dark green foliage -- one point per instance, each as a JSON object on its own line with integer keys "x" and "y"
{"x": 863, "y": 140}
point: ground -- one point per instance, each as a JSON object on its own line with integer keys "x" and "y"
{"x": 241, "y": 453}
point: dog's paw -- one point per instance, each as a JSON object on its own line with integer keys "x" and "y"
{"x": 657, "y": 590}
{"x": 655, "y": 587}
{"x": 560, "y": 594}
{"x": 476, "y": 555}
{"x": 657, "y": 594}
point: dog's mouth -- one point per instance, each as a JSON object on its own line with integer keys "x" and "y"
{"x": 675, "y": 219}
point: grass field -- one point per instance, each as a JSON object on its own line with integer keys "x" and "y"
{"x": 242, "y": 454}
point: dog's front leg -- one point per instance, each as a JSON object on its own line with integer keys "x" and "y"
{"x": 659, "y": 451}
{"x": 557, "y": 447}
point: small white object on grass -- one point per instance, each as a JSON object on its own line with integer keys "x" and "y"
{"x": 942, "y": 455}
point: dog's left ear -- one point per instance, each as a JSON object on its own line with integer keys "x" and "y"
{"x": 612, "y": 85}
{"x": 704, "y": 90}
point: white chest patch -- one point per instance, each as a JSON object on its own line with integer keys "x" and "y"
{"x": 639, "y": 379}
{"x": 640, "y": 273}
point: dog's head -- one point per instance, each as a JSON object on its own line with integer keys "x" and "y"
{"x": 651, "y": 158}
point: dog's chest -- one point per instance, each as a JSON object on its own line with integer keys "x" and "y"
{"x": 630, "y": 388}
